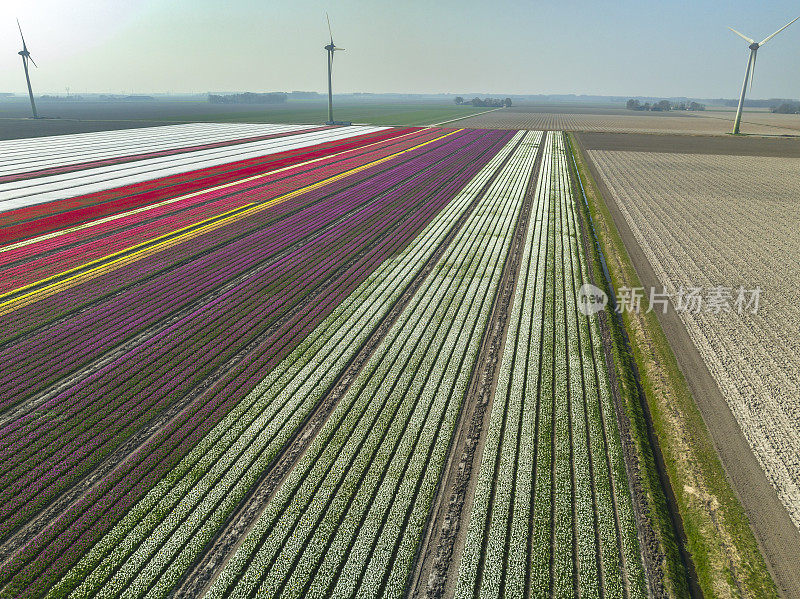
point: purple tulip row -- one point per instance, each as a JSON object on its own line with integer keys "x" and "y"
{"x": 408, "y": 211}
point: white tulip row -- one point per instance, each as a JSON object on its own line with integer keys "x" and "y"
{"x": 348, "y": 518}
{"x": 552, "y": 432}
{"x": 610, "y": 477}
{"x": 175, "y": 521}
{"x": 513, "y": 365}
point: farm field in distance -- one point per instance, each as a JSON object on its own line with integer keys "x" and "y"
{"x": 88, "y": 115}
{"x": 619, "y": 120}
{"x": 240, "y": 355}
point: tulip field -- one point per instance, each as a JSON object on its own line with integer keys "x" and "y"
{"x": 235, "y": 358}
{"x": 552, "y": 511}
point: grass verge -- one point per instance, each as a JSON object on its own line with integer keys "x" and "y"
{"x": 724, "y": 553}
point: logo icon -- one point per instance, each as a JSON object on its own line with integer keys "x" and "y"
{"x": 591, "y": 299}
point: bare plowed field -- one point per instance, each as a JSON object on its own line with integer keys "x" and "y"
{"x": 709, "y": 221}
{"x": 629, "y": 122}
{"x": 729, "y": 145}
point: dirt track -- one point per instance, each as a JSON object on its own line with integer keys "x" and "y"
{"x": 774, "y": 530}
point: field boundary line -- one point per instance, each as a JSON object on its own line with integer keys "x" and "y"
{"x": 619, "y": 362}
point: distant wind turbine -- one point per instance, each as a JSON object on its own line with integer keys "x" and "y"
{"x": 330, "y": 48}
{"x": 26, "y": 56}
{"x": 751, "y": 69}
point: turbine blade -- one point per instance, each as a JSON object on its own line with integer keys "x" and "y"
{"x": 22, "y": 36}
{"x": 329, "y": 26}
{"x": 766, "y": 39}
{"x": 31, "y": 59}
{"x": 753, "y": 69}
{"x": 743, "y": 36}
{"x": 337, "y": 49}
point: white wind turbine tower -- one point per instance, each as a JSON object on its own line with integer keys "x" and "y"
{"x": 751, "y": 68}
{"x": 330, "y": 49}
{"x": 26, "y": 56}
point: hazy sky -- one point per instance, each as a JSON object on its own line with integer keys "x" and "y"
{"x": 507, "y": 46}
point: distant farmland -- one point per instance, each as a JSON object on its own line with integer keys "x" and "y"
{"x": 627, "y": 121}
{"x": 243, "y": 358}
{"x": 375, "y": 112}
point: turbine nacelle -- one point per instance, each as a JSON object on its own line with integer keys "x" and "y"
{"x": 754, "y": 46}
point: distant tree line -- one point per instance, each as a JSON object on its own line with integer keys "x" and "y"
{"x": 664, "y": 106}
{"x": 787, "y": 108}
{"x": 486, "y": 102}
{"x": 48, "y": 98}
{"x": 748, "y": 103}
{"x": 248, "y": 98}
{"x": 296, "y": 95}
{"x": 131, "y": 98}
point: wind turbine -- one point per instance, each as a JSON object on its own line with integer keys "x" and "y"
{"x": 26, "y": 56}
{"x": 751, "y": 69}
{"x": 330, "y": 48}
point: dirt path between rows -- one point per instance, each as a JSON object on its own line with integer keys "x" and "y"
{"x": 435, "y": 569}
{"x": 242, "y": 520}
{"x": 778, "y": 538}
